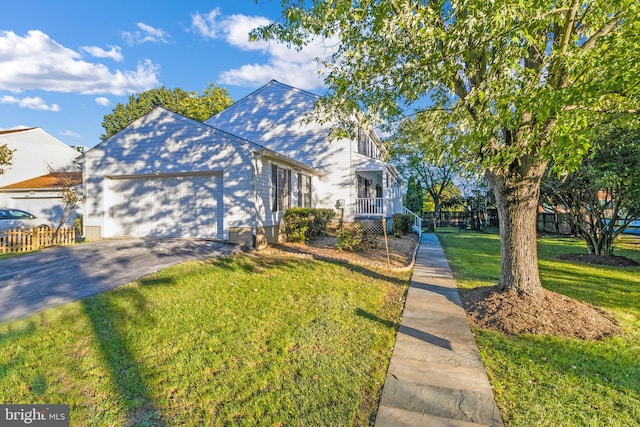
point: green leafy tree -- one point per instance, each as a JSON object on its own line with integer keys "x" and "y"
{"x": 603, "y": 195}
{"x": 476, "y": 198}
{"x": 451, "y": 199}
{"x": 418, "y": 154}
{"x": 518, "y": 82}
{"x": 198, "y": 107}
{"x": 68, "y": 184}
{"x": 414, "y": 198}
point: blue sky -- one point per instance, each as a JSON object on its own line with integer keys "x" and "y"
{"x": 64, "y": 64}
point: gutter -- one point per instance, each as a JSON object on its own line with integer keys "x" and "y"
{"x": 270, "y": 154}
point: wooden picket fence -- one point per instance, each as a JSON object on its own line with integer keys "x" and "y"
{"x": 31, "y": 239}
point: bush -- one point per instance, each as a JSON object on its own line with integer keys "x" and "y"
{"x": 304, "y": 224}
{"x": 354, "y": 237}
{"x": 320, "y": 222}
{"x": 401, "y": 224}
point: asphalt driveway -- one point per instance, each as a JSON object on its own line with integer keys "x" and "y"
{"x": 56, "y": 276}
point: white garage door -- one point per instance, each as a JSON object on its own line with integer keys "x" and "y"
{"x": 168, "y": 206}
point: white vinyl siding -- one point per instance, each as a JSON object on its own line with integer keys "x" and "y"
{"x": 275, "y": 117}
{"x": 175, "y": 206}
{"x": 170, "y": 156}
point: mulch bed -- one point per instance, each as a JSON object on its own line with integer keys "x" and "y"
{"x": 553, "y": 314}
{"x": 399, "y": 256}
{"x": 611, "y": 260}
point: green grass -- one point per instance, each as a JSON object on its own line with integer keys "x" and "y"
{"x": 550, "y": 381}
{"x": 14, "y": 254}
{"x": 235, "y": 341}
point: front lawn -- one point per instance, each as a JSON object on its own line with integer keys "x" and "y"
{"x": 247, "y": 340}
{"x": 550, "y": 381}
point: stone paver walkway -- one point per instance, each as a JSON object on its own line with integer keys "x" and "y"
{"x": 435, "y": 377}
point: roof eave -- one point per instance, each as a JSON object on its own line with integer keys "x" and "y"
{"x": 270, "y": 154}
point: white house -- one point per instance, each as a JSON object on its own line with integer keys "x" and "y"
{"x": 233, "y": 176}
{"x": 42, "y": 195}
{"x": 26, "y": 184}
{"x": 34, "y": 150}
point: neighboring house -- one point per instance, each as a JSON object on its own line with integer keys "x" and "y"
{"x": 24, "y": 185}
{"x": 41, "y": 196}
{"x": 232, "y": 177}
{"x": 34, "y": 151}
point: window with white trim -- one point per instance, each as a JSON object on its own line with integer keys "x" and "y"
{"x": 367, "y": 147}
{"x": 304, "y": 190}
{"x": 280, "y": 188}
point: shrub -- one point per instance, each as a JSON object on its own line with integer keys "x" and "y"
{"x": 401, "y": 224}
{"x": 303, "y": 224}
{"x": 320, "y": 222}
{"x": 77, "y": 223}
{"x": 355, "y": 237}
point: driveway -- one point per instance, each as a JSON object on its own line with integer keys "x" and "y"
{"x": 56, "y": 276}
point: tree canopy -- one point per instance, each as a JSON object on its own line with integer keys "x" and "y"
{"x": 417, "y": 154}
{"x": 602, "y": 197}
{"x": 518, "y": 83}
{"x": 198, "y": 107}
{"x": 414, "y": 197}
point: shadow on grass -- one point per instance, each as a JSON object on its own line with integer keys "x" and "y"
{"x": 27, "y": 329}
{"x": 15, "y": 335}
{"x": 155, "y": 281}
{"x": 602, "y": 363}
{"x": 107, "y": 321}
{"x": 615, "y": 288}
{"x": 387, "y": 323}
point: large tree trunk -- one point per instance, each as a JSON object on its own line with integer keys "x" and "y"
{"x": 436, "y": 212}
{"x": 517, "y": 193}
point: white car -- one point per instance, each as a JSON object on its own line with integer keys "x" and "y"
{"x": 16, "y": 218}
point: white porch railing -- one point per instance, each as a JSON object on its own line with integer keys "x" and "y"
{"x": 370, "y": 206}
{"x": 417, "y": 221}
{"x": 374, "y": 206}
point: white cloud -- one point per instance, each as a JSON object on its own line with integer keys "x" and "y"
{"x": 298, "y": 68}
{"x": 148, "y": 34}
{"x": 114, "y": 53}
{"x": 303, "y": 76}
{"x": 37, "y": 62}
{"x": 70, "y": 133}
{"x": 206, "y": 25}
{"x": 32, "y": 103}
{"x": 101, "y": 100}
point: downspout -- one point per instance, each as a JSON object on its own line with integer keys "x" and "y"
{"x": 254, "y": 193}
{"x": 354, "y": 183}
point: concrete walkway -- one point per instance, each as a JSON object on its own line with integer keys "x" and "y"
{"x": 435, "y": 376}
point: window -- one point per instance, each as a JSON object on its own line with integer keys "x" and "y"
{"x": 366, "y": 146}
{"x": 364, "y": 187}
{"x": 280, "y": 189}
{"x": 363, "y": 142}
{"x": 304, "y": 191}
